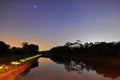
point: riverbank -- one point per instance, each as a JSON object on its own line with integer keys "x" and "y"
{"x": 12, "y": 74}
{"x": 11, "y": 71}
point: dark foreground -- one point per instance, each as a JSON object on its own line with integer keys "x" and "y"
{"x": 56, "y": 69}
{"x": 12, "y": 74}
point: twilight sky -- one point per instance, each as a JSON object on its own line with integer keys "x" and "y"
{"x": 50, "y": 23}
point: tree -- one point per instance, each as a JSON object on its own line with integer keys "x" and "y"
{"x": 16, "y": 50}
{"x": 4, "y": 48}
{"x": 24, "y": 44}
{"x": 30, "y": 48}
{"x": 34, "y": 48}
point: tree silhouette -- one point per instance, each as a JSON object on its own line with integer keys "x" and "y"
{"x": 27, "y": 49}
{"x": 30, "y": 48}
{"x": 87, "y": 50}
{"x": 4, "y": 48}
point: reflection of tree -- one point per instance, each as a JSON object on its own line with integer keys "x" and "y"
{"x": 78, "y": 66}
{"x": 34, "y": 65}
{"x": 106, "y": 70}
{"x": 74, "y": 66}
{"x": 71, "y": 65}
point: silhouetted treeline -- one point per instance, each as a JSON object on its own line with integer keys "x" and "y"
{"x": 25, "y": 49}
{"x": 87, "y": 50}
{"x": 4, "y": 48}
{"x": 8, "y": 53}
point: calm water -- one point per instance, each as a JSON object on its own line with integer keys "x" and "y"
{"x": 47, "y": 69}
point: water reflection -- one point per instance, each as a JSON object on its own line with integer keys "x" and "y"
{"x": 34, "y": 65}
{"x": 112, "y": 72}
{"x": 76, "y": 66}
{"x": 61, "y": 69}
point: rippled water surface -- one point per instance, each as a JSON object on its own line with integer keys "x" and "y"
{"x": 51, "y": 69}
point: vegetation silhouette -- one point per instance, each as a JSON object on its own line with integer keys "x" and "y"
{"x": 77, "y": 50}
{"x": 89, "y": 56}
{"x": 8, "y": 54}
{"x": 4, "y": 48}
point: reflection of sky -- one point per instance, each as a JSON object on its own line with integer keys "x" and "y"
{"x": 53, "y": 71}
{"x": 53, "y": 22}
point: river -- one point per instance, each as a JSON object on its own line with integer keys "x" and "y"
{"x": 52, "y": 69}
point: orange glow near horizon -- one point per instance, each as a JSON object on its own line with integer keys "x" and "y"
{"x": 18, "y": 43}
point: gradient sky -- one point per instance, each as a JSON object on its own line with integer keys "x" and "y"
{"x": 51, "y": 23}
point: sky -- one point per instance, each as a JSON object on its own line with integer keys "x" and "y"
{"x": 50, "y": 23}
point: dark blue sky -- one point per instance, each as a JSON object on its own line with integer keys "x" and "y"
{"x": 53, "y": 22}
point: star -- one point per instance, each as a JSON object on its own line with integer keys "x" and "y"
{"x": 35, "y": 6}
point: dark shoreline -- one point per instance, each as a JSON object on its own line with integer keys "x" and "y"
{"x": 12, "y": 74}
